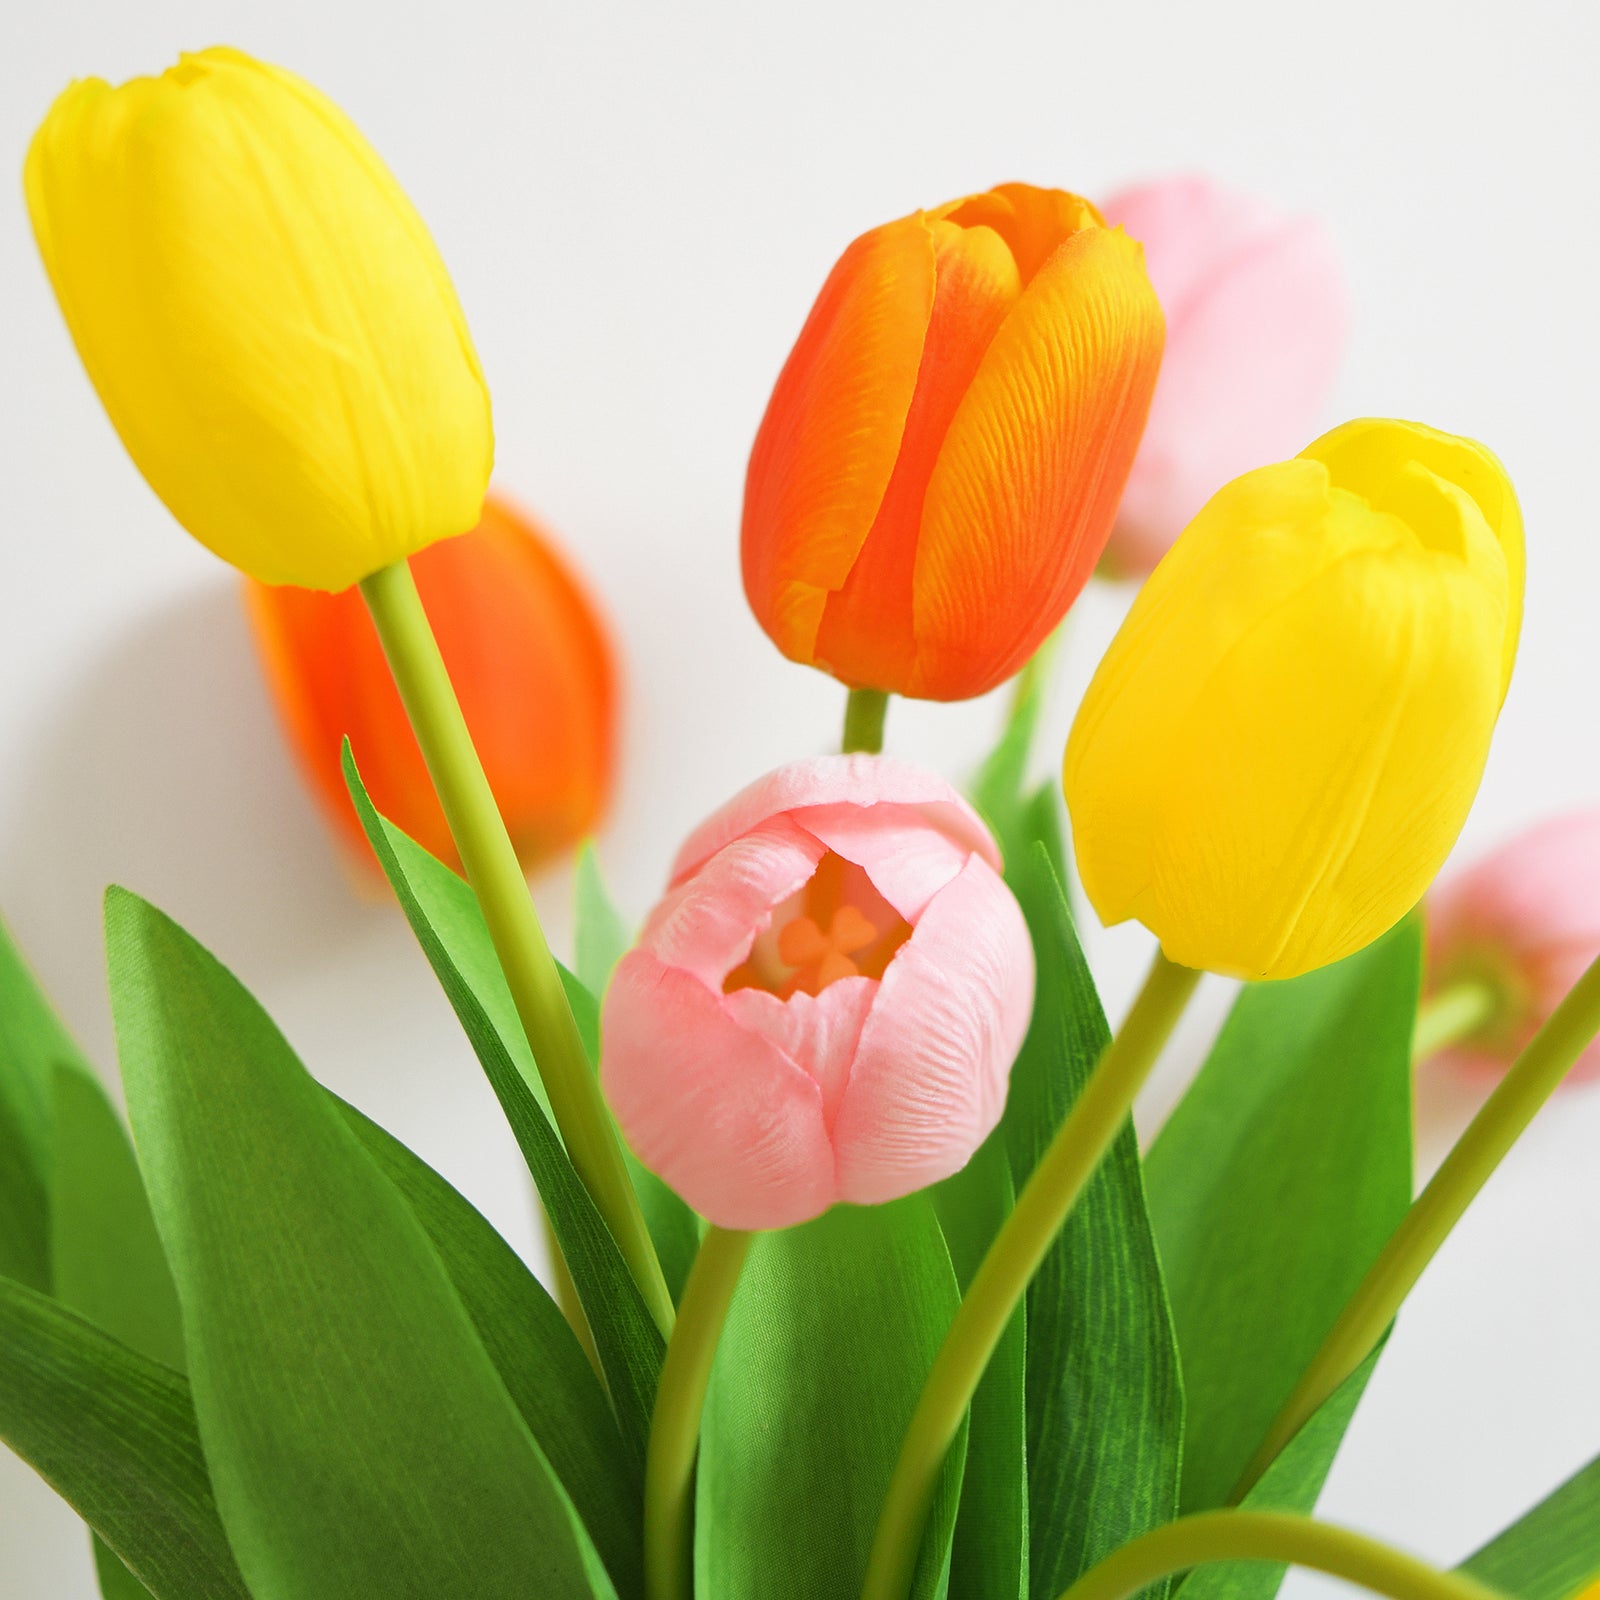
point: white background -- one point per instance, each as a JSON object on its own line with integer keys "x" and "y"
{"x": 637, "y": 204}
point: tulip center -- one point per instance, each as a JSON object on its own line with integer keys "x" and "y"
{"x": 836, "y": 926}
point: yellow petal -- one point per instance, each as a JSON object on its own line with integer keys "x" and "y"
{"x": 1283, "y": 741}
{"x": 264, "y": 316}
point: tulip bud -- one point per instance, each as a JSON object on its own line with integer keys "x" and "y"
{"x": 1256, "y": 314}
{"x": 264, "y": 317}
{"x": 826, "y": 1004}
{"x": 1281, "y": 745}
{"x": 941, "y": 460}
{"x": 531, "y": 663}
{"x": 1521, "y": 925}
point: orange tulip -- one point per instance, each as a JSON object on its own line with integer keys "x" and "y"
{"x": 532, "y": 664}
{"x": 940, "y": 463}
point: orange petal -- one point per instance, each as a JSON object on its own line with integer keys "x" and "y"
{"x": 828, "y": 442}
{"x": 1033, "y": 222}
{"x": 866, "y": 632}
{"x": 1026, "y": 487}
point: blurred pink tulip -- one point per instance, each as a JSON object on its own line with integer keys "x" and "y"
{"x": 1524, "y": 923}
{"x": 1255, "y": 306}
{"x": 826, "y": 1004}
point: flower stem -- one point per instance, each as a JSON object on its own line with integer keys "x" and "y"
{"x": 1504, "y": 1115}
{"x": 864, "y": 712}
{"x": 1002, "y": 1279}
{"x": 496, "y": 877}
{"x": 675, "y": 1426}
{"x": 1452, "y": 1014}
{"x": 1269, "y": 1536}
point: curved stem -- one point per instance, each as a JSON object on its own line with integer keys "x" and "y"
{"x": 1003, "y": 1278}
{"x": 864, "y": 712}
{"x": 675, "y": 1426}
{"x": 1505, "y": 1114}
{"x": 1452, "y": 1014}
{"x": 1270, "y": 1536}
{"x": 496, "y": 877}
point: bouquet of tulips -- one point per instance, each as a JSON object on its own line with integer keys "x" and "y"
{"x": 864, "y": 1285}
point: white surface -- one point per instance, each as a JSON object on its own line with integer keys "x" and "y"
{"x": 638, "y": 205}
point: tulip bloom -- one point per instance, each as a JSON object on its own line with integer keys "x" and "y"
{"x": 1256, "y": 316}
{"x": 939, "y": 465}
{"x": 1522, "y": 924}
{"x": 532, "y": 665}
{"x": 264, "y": 317}
{"x": 1282, "y": 742}
{"x": 826, "y": 1004}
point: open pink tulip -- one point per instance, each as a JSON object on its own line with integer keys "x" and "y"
{"x": 826, "y": 1004}
{"x": 1523, "y": 923}
{"x": 1255, "y": 308}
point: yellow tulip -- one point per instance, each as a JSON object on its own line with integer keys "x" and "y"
{"x": 264, "y": 316}
{"x": 1286, "y": 734}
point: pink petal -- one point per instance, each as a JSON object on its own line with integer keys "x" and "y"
{"x": 716, "y": 1110}
{"x": 902, "y": 849}
{"x": 859, "y": 780}
{"x": 707, "y": 924}
{"x": 819, "y": 1033}
{"x": 929, "y": 1081}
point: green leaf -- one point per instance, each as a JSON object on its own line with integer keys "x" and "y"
{"x": 1274, "y": 1185}
{"x": 601, "y": 933}
{"x": 1553, "y": 1551}
{"x": 1291, "y": 1483}
{"x": 32, "y": 1044}
{"x": 534, "y": 1350}
{"x": 106, "y": 1261}
{"x": 830, "y": 1335}
{"x": 1105, "y": 1399}
{"x": 359, "y": 1438}
{"x": 444, "y": 915}
{"x": 114, "y": 1434}
{"x": 989, "y": 1556}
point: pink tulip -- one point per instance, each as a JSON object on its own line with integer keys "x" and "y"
{"x": 1524, "y": 922}
{"x": 1255, "y": 306}
{"x": 826, "y": 1003}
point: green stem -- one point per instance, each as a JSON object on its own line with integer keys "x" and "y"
{"x": 496, "y": 878}
{"x": 1002, "y": 1279}
{"x": 864, "y": 712}
{"x": 1270, "y": 1536}
{"x": 1452, "y": 1014}
{"x": 1533, "y": 1077}
{"x": 675, "y": 1426}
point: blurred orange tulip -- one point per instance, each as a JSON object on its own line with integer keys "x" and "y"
{"x": 532, "y": 664}
{"x": 940, "y": 463}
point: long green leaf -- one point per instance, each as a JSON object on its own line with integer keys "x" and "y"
{"x": 831, "y": 1333}
{"x": 106, "y": 1261}
{"x": 33, "y": 1043}
{"x": 1275, "y": 1183}
{"x": 1292, "y": 1483}
{"x": 534, "y": 1350}
{"x": 1105, "y": 1399}
{"x": 601, "y": 937}
{"x": 1553, "y": 1551}
{"x": 989, "y": 1556}
{"x": 114, "y": 1434}
{"x": 359, "y": 1438}
{"x": 444, "y": 916}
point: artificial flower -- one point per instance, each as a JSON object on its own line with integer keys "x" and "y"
{"x": 264, "y": 316}
{"x": 940, "y": 462}
{"x": 1282, "y": 743}
{"x": 826, "y": 1004}
{"x": 1520, "y": 926}
{"x": 1256, "y": 314}
{"x": 532, "y": 663}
